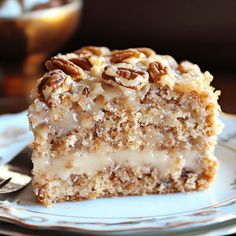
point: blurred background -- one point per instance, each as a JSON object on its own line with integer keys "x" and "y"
{"x": 203, "y": 32}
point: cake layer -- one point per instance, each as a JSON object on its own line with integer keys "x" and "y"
{"x": 121, "y": 181}
{"x": 156, "y": 119}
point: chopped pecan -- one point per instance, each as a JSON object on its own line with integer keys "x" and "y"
{"x": 146, "y": 51}
{"x": 82, "y": 62}
{"x": 96, "y": 61}
{"x": 126, "y": 77}
{"x": 65, "y": 65}
{"x": 97, "y": 132}
{"x": 185, "y": 66}
{"x": 156, "y": 71}
{"x": 98, "y": 51}
{"x": 118, "y": 56}
{"x": 86, "y": 91}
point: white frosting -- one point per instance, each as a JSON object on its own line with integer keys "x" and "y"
{"x": 111, "y": 92}
{"x": 64, "y": 166}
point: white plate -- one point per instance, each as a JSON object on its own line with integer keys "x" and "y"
{"x": 213, "y": 210}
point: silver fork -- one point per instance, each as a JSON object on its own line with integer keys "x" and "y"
{"x": 13, "y": 177}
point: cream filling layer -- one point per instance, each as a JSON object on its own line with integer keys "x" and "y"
{"x": 90, "y": 164}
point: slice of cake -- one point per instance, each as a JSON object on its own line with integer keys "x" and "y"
{"x": 123, "y": 122}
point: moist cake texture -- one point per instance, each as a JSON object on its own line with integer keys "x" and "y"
{"x": 122, "y": 122}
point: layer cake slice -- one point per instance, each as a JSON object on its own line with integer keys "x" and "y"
{"x": 122, "y": 122}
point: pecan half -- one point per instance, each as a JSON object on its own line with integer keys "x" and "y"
{"x": 82, "y": 62}
{"x": 65, "y": 65}
{"x": 118, "y": 56}
{"x": 146, "y": 51}
{"x": 91, "y": 50}
{"x": 126, "y": 77}
{"x": 52, "y": 80}
{"x": 156, "y": 71}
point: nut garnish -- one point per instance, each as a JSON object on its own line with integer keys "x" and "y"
{"x": 185, "y": 66}
{"x": 157, "y": 71}
{"x": 90, "y": 50}
{"x": 96, "y": 61}
{"x": 65, "y": 65}
{"x": 52, "y": 81}
{"x": 126, "y": 77}
{"x": 86, "y": 91}
{"x": 118, "y": 56}
{"x": 82, "y": 62}
{"x": 146, "y": 51}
